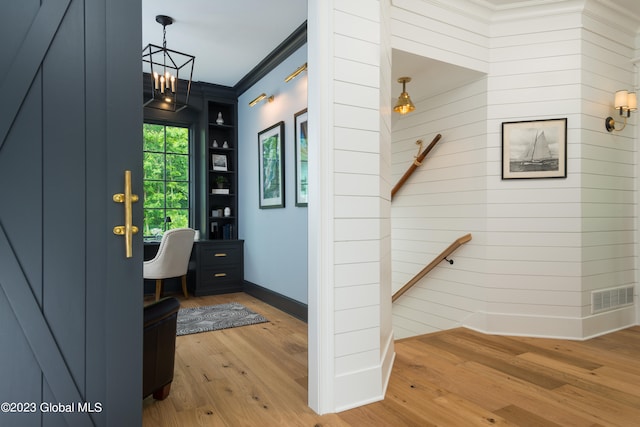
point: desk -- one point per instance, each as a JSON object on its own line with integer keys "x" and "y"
{"x": 215, "y": 266}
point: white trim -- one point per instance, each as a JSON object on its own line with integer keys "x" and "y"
{"x": 568, "y": 328}
{"x": 320, "y": 209}
{"x": 388, "y": 357}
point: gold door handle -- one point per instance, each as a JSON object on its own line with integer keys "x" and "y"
{"x": 220, "y": 275}
{"x": 128, "y": 229}
{"x": 220, "y": 255}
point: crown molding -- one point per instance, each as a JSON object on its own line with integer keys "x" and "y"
{"x": 295, "y": 41}
{"x": 489, "y": 12}
{"x": 614, "y": 15}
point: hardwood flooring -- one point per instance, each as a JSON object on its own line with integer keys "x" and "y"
{"x": 257, "y": 376}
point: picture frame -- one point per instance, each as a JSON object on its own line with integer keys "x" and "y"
{"x": 301, "y": 157}
{"x": 271, "y": 167}
{"x": 534, "y": 149}
{"x": 219, "y": 162}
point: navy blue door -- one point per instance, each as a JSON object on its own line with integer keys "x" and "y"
{"x": 70, "y": 301}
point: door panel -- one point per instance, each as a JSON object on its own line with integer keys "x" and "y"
{"x": 63, "y": 192}
{"x": 70, "y": 302}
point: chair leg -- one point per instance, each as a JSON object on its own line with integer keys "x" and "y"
{"x": 162, "y": 393}
{"x": 158, "y": 288}
{"x": 184, "y": 286}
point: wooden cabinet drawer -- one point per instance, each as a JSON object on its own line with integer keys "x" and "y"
{"x": 217, "y": 257}
{"x": 219, "y": 254}
{"x": 221, "y": 274}
{"x": 218, "y": 282}
{"x": 217, "y": 267}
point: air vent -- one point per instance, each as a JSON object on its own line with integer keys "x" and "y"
{"x": 610, "y": 299}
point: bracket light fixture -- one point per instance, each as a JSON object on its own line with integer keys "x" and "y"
{"x": 295, "y": 74}
{"x": 625, "y": 102}
{"x": 165, "y": 67}
{"x": 260, "y": 98}
{"x": 404, "y": 104}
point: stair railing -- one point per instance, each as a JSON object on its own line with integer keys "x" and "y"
{"x": 442, "y": 257}
{"x": 417, "y": 162}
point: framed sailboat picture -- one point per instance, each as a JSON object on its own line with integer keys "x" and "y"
{"x": 534, "y": 149}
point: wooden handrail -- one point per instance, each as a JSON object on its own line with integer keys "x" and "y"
{"x": 414, "y": 165}
{"x": 452, "y": 247}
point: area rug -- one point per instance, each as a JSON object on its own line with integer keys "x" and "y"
{"x": 214, "y": 317}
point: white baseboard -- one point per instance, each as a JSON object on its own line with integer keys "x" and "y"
{"x": 572, "y": 328}
{"x": 358, "y": 388}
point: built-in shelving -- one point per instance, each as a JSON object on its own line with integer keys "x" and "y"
{"x": 222, "y": 160}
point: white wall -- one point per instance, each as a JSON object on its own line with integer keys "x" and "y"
{"x": 350, "y": 339}
{"x": 554, "y": 241}
{"x": 534, "y": 252}
{"x": 636, "y": 86}
{"x": 609, "y": 169}
{"x": 454, "y": 31}
{"x": 444, "y": 199}
{"x": 275, "y": 248}
{"x": 541, "y": 245}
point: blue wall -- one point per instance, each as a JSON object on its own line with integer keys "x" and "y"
{"x": 275, "y": 239}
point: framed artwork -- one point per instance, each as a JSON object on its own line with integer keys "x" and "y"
{"x": 271, "y": 166}
{"x": 534, "y": 149}
{"x": 300, "y": 120}
{"x": 219, "y": 162}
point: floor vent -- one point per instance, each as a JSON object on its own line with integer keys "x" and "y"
{"x": 609, "y": 299}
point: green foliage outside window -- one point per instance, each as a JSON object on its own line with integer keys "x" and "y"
{"x": 166, "y": 178}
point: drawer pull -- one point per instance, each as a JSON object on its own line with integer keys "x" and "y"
{"x": 220, "y": 274}
{"x": 220, "y": 254}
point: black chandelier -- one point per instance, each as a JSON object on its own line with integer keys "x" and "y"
{"x": 168, "y": 92}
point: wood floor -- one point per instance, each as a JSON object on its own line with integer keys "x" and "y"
{"x": 257, "y": 376}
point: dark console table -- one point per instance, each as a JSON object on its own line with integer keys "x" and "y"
{"x": 215, "y": 267}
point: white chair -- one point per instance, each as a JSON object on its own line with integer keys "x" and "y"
{"x": 172, "y": 259}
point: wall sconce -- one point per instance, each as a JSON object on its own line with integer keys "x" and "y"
{"x": 404, "y": 104}
{"x": 260, "y": 98}
{"x": 293, "y": 75}
{"x": 625, "y": 102}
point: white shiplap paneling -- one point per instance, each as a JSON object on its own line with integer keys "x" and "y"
{"x": 362, "y": 344}
{"x": 540, "y": 246}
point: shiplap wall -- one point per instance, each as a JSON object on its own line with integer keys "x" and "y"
{"x": 443, "y": 200}
{"x": 446, "y": 196}
{"x": 541, "y": 246}
{"x": 361, "y": 204}
{"x": 534, "y": 253}
{"x": 608, "y": 168}
{"x": 636, "y": 86}
{"x": 354, "y": 222}
{"x": 386, "y": 307}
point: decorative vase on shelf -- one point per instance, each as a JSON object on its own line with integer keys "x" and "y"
{"x": 220, "y": 120}
{"x": 215, "y": 144}
{"x": 225, "y": 145}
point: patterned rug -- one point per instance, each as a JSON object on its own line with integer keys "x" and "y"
{"x": 214, "y": 317}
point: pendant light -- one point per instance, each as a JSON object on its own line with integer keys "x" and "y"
{"x": 165, "y": 67}
{"x": 404, "y": 104}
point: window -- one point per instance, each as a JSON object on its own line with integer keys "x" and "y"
{"x": 166, "y": 178}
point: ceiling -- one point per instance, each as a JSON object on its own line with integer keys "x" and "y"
{"x": 227, "y": 37}
{"x": 230, "y": 37}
